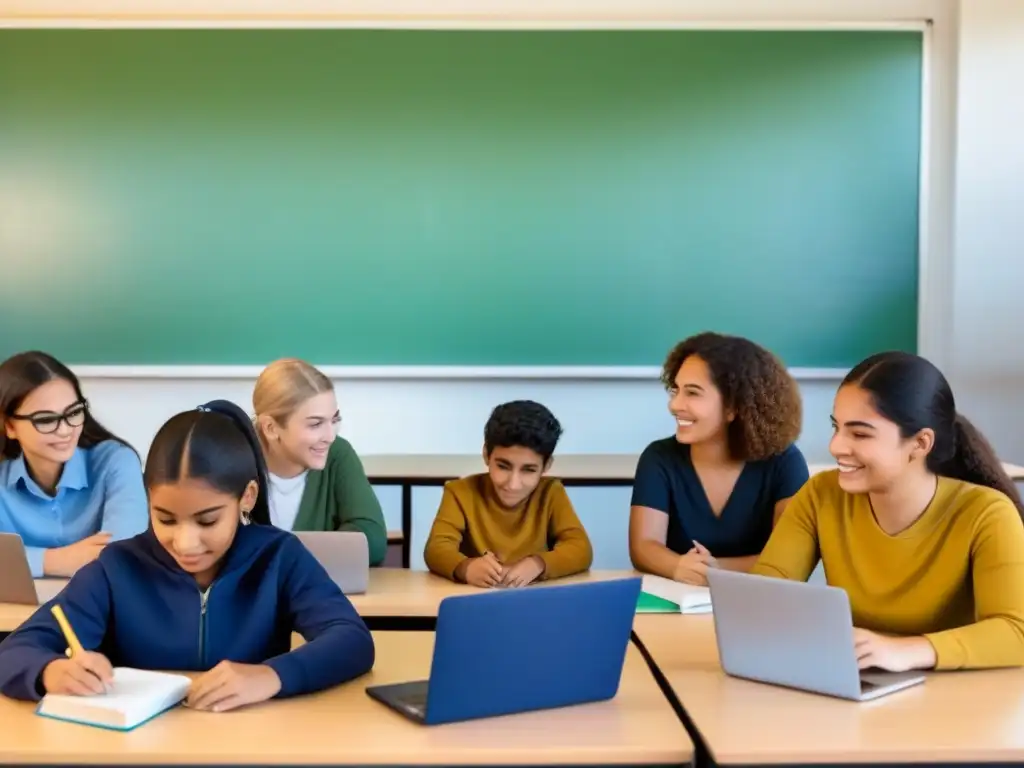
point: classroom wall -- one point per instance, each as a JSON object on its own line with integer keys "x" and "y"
{"x": 973, "y": 233}
{"x": 413, "y": 416}
{"x": 988, "y": 353}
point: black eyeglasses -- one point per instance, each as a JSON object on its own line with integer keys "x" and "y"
{"x": 48, "y": 422}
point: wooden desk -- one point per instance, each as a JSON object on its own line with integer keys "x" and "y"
{"x": 392, "y": 592}
{"x": 957, "y": 717}
{"x": 344, "y": 726}
{"x": 594, "y": 470}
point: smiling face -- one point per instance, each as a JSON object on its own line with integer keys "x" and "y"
{"x": 696, "y": 404}
{"x": 515, "y": 473}
{"x": 44, "y": 436}
{"x": 873, "y": 456}
{"x": 196, "y": 523}
{"x": 307, "y": 434}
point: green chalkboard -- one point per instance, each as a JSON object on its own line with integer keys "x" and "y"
{"x": 477, "y": 197}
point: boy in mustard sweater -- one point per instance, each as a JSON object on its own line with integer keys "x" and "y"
{"x": 511, "y": 525}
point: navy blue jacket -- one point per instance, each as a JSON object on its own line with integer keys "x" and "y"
{"x": 136, "y": 606}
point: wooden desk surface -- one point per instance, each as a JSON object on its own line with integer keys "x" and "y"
{"x": 392, "y": 592}
{"x": 597, "y": 466}
{"x": 953, "y": 717}
{"x": 345, "y": 726}
{"x": 436, "y": 467}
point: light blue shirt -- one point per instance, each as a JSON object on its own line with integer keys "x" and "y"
{"x": 100, "y": 489}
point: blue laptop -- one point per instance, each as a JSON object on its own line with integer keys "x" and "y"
{"x": 519, "y": 650}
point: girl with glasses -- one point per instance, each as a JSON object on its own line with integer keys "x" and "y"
{"x": 67, "y": 485}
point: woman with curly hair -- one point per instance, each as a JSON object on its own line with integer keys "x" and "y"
{"x": 713, "y": 491}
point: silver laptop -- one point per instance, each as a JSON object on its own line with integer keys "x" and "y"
{"x": 345, "y": 555}
{"x": 793, "y": 634}
{"x": 16, "y": 584}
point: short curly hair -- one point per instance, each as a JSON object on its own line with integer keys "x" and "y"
{"x": 524, "y": 423}
{"x": 755, "y": 386}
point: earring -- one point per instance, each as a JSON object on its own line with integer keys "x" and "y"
{"x": 245, "y": 517}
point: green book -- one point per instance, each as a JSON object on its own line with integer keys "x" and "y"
{"x": 661, "y": 595}
{"x": 649, "y": 603}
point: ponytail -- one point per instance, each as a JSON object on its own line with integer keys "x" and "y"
{"x": 260, "y": 513}
{"x": 216, "y": 444}
{"x": 975, "y": 461}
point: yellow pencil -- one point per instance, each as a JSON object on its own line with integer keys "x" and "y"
{"x": 65, "y": 626}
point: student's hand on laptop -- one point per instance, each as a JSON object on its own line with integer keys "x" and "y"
{"x": 84, "y": 674}
{"x": 485, "y": 571}
{"x": 692, "y": 567}
{"x": 65, "y": 561}
{"x": 230, "y": 685}
{"x": 893, "y": 654}
{"x": 524, "y": 572}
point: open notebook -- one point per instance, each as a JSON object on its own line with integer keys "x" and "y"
{"x": 661, "y": 595}
{"x": 137, "y": 695}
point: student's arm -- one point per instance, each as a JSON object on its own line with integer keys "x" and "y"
{"x": 792, "y": 550}
{"x": 789, "y": 475}
{"x": 30, "y": 648}
{"x": 125, "y": 505}
{"x": 571, "y": 552}
{"x": 648, "y": 519}
{"x": 442, "y": 553}
{"x": 359, "y": 508}
{"x": 36, "y": 561}
{"x": 996, "y": 638}
{"x": 338, "y": 646}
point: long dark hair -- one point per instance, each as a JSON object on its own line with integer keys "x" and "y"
{"x": 217, "y": 444}
{"x": 20, "y": 376}
{"x": 913, "y": 394}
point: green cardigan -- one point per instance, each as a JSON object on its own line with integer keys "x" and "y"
{"x": 340, "y": 498}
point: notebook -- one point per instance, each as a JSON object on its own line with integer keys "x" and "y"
{"x": 661, "y": 595}
{"x": 137, "y": 695}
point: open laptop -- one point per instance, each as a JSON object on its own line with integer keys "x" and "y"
{"x": 520, "y": 650}
{"x": 345, "y": 555}
{"x": 16, "y": 584}
{"x": 793, "y": 634}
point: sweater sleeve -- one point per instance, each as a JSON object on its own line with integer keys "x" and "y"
{"x": 358, "y": 505}
{"x": 443, "y": 551}
{"x": 571, "y": 551}
{"x": 792, "y": 550}
{"x": 996, "y": 638}
{"x": 338, "y": 647}
{"x": 29, "y": 649}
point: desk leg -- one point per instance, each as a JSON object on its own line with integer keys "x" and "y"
{"x": 406, "y": 524}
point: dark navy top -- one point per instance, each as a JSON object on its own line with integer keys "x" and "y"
{"x": 666, "y": 480}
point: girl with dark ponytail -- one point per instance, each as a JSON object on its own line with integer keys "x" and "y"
{"x": 210, "y": 580}
{"x": 919, "y": 524}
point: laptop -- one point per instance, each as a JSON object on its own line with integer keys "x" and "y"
{"x": 794, "y": 634}
{"x": 16, "y": 583}
{"x": 345, "y": 555}
{"x": 519, "y": 650}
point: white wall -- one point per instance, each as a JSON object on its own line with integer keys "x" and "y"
{"x": 414, "y": 416}
{"x": 972, "y": 235}
{"x": 988, "y": 351}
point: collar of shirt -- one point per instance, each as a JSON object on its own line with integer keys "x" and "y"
{"x": 73, "y": 477}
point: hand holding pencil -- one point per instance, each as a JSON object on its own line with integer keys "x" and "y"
{"x": 83, "y": 673}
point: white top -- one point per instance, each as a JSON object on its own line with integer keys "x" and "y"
{"x": 284, "y": 498}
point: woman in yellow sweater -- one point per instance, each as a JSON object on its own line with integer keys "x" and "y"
{"x": 919, "y": 525}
